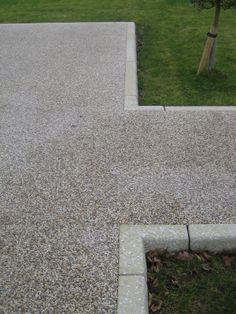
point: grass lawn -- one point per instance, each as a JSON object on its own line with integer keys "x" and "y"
{"x": 191, "y": 283}
{"x": 171, "y": 36}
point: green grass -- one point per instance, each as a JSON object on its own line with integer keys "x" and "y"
{"x": 171, "y": 37}
{"x": 196, "y": 285}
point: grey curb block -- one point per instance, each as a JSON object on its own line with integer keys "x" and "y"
{"x": 132, "y": 295}
{"x": 200, "y": 108}
{"x": 213, "y": 238}
{"x": 131, "y": 83}
{"x": 136, "y": 240}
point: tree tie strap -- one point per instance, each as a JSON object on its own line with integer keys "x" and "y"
{"x": 209, "y": 34}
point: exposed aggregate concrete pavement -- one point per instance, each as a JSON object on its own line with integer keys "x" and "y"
{"x": 74, "y": 165}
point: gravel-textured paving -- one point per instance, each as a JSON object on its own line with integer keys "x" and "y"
{"x": 74, "y": 166}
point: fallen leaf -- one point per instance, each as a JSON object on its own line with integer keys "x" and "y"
{"x": 206, "y": 256}
{"x": 153, "y": 253}
{"x": 156, "y": 260}
{"x": 198, "y": 257}
{"x": 206, "y": 267}
{"x": 149, "y": 299}
{"x": 184, "y": 256}
{"x": 155, "y": 298}
{"x": 228, "y": 260}
{"x": 156, "y": 307}
{"x": 156, "y": 268}
{"x": 155, "y": 282}
{"x": 174, "y": 281}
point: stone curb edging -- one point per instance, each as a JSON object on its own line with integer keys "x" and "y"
{"x": 131, "y": 83}
{"x": 136, "y": 240}
{"x": 200, "y": 108}
{"x": 133, "y": 295}
{"x": 213, "y": 238}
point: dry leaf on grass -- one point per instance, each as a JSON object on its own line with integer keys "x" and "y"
{"x": 153, "y": 253}
{"x": 206, "y": 267}
{"x": 198, "y": 256}
{"x": 174, "y": 281}
{"x": 184, "y": 256}
{"x": 155, "y": 282}
{"x": 156, "y": 307}
{"x": 149, "y": 299}
{"x": 229, "y": 260}
{"x": 206, "y": 256}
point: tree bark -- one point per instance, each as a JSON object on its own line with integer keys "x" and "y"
{"x": 208, "y": 56}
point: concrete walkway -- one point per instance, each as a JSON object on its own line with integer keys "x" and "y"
{"x": 74, "y": 165}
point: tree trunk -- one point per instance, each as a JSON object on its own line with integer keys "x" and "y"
{"x": 208, "y": 57}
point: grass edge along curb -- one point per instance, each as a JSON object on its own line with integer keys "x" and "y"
{"x": 131, "y": 101}
{"x": 136, "y": 240}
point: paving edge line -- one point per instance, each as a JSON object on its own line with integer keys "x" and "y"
{"x": 131, "y": 83}
{"x": 136, "y": 240}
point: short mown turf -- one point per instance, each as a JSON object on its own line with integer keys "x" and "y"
{"x": 171, "y": 36}
{"x": 191, "y": 283}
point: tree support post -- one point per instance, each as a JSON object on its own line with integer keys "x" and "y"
{"x": 208, "y": 57}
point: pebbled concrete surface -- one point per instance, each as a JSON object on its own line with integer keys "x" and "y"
{"x": 75, "y": 165}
